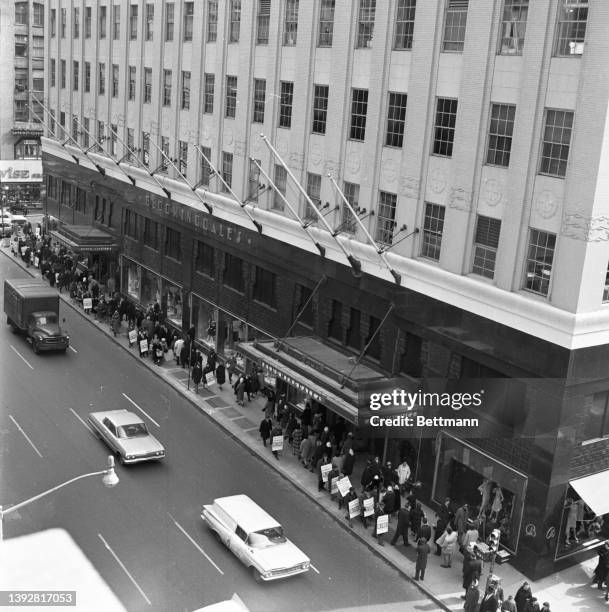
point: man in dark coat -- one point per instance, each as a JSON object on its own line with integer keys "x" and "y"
{"x": 460, "y": 521}
{"x": 266, "y": 426}
{"x": 472, "y": 568}
{"x": 390, "y": 476}
{"x": 489, "y": 602}
{"x": 472, "y": 597}
{"x": 602, "y": 566}
{"x": 523, "y": 597}
{"x": 348, "y": 463}
{"x": 422, "y": 554}
{"x": 424, "y": 530}
{"x": 220, "y": 375}
{"x": 402, "y": 528}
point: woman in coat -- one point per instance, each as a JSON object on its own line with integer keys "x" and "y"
{"x": 448, "y": 546}
{"x": 523, "y": 597}
{"x": 348, "y": 462}
{"x": 116, "y": 322}
{"x": 423, "y": 551}
{"x": 220, "y": 375}
{"x": 197, "y": 375}
{"x": 296, "y": 439}
{"x": 240, "y": 389}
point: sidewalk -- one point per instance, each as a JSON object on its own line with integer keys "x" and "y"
{"x": 566, "y": 591}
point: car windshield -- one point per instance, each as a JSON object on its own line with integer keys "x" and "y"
{"x": 47, "y": 320}
{"x": 267, "y": 537}
{"x": 135, "y": 430}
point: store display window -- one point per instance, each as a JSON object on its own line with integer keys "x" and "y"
{"x": 172, "y": 302}
{"x": 151, "y": 287}
{"x": 131, "y": 279}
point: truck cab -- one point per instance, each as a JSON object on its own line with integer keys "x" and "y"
{"x": 46, "y": 334}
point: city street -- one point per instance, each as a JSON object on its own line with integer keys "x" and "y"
{"x": 145, "y": 536}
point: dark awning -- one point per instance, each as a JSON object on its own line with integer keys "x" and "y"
{"x": 85, "y": 239}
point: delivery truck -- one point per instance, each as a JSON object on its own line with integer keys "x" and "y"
{"x": 32, "y": 308}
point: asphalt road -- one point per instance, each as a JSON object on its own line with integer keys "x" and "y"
{"x": 145, "y": 536}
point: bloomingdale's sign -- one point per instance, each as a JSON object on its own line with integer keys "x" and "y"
{"x": 201, "y": 221}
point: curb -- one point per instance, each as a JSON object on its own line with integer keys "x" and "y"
{"x": 254, "y": 452}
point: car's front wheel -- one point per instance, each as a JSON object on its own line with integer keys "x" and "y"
{"x": 256, "y": 574}
{"x": 36, "y": 347}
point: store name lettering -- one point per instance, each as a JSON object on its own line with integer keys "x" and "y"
{"x": 201, "y": 221}
{"x": 293, "y": 382}
{"x": 10, "y": 174}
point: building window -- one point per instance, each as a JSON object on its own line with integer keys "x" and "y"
{"x": 305, "y": 306}
{"x": 314, "y": 193}
{"x": 52, "y": 74}
{"x": 204, "y": 259}
{"x": 38, "y": 47}
{"x": 87, "y": 77}
{"x": 102, "y": 21}
{"x": 359, "y": 110}
{"x": 53, "y": 23}
{"x": 290, "y": 23}
{"x": 348, "y": 222}
{"x": 262, "y": 22}
{"x": 62, "y": 75}
{"x": 264, "y": 290}
{"x": 354, "y": 333}
{"x": 253, "y": 180}
{"x": 21, "y": 113}
{"x": 149, "y": 21}
{"x": 130, "y": 224}
{"x": 486, "y": 242}
{"x": 596, "y": 423}
{"x": 21, "y": 16}
{"x": 131, "y": 82}
{"x": 320, "y": 108}
{"x": 231, "y": 96}
{"x": 116, "y": 22}
{"x": 37, "y": 83}
{"x": 373, "y": 340}
{"x": 404, "y": 24}
{"x": 227, "y": 170}
{"x": 166, "y": 87}
{"x": 115, "y": 80}
{"x": 146, "y": 148}
{"x": 326, "y": 23}
{"x": 335, "y": 325}
{"x": 62, "y": 25}
{"x": 182, "y": 156}
{"x": 500, "y": 134}
{"x": 208, "y": 95}
{"x": 285, "y": 104}
{"x": 189, "y": 11}
{"x": 173, "y": 244}
{"x": 21, "y": 45}
{"x": 235, "y": 21}
{"x": 75, "y": 22}
{"x": 101, "y": 79}
{"x": 147, "y": 84}
{"x": 74, "y": 128}
{"x": 21, "y": 79}
{"x": 556, "y": 142}
{"x": 130, "y": 142}
{"x": 212, "y": 20}
{"x": 164, "y": 153}
{"x": 151, "y": 234}
{"x": 281, "y": 182}
{"x": 385, "y": 219}
{"x": 169, "y": 21}
{"x": 86, "y": 128}
{"x": 571, "y": 33}
{"x": 433, "y": 228}
{"x": 540, "y": 256}
{"x": 455, "y": 21}
{"x": 233, "y": 272}
{"x": 259, "y": 100}
{"x": 513, "y": 26}
{"x": 206, "y": 171}
{"x": 133, "y": 21}
{"x": 75, "y": 73}
{"x": 396, "y": 119}
{"x": 606, "y": 289}
{"x": 88, "y": 21}
{"x": 185, "y": 103}
{"x": 365, "y": 23}
{"x": 444, "y": 127}
{"x": 38, "y": 19}
{"x": 101, "y": 132}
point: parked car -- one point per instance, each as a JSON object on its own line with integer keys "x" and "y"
{"x": 127, "y": 435}
{"x": 255, "y": 537}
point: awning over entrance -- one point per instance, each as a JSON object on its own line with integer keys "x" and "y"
{"x": 85, "y": 239}
{"x": 594, "y": 490}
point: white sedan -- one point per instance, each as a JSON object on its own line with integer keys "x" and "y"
{"x": 127, "y": 435}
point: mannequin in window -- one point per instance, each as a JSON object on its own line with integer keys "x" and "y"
{"x": 485, "y": 490}
{"x": 571, "y": 526}
{"x": 497, "y": 503}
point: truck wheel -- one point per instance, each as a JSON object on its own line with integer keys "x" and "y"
{"x": 36, "y": 347}
{"x": 12, "y": 325}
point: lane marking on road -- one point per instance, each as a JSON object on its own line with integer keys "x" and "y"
{"x": 137, "y": 586}
{"x": 194, "y": 543}
{"x": 140, "y": 409}
{"x": 81, "y": 420}
{"x": 27, "y": 363}
{"x": 10, "y": 416}
{"x": 73, "y": 349}
{"x": 313, "y": 568}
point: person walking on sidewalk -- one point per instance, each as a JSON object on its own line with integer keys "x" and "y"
{"x": 197, "y": 375}
{"x": 266, "y": 426}
{"x": 472, "y": 597}
{"x": 424, "y": 530}
{"x": 423, "y": 551}
{"x": 231, "y": 368}
{"x": 276, "y": 431}
{"x": 523, "y": 597}
{"x": 324, "y": 460}
{"x": 296, "y": 438}
{"x": 489, "y": 602}
{"x": 509, "y": 605}
{"x": 402, "y": 528}
{"x": 220, "y": 375}
{"x": 448, "y": 546}
{"x": 239, "y": 388}
{"x": 460, "y": 521}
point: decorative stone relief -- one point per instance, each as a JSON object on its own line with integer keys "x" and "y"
{"x": 582, "y": 227}
{"x": 353, "y": 162}
{"x": 460, "y": 199}
{"x": 546, "y": 204}
{"x": 331, "y": 167}
{"x": 154, "y": 128}
{"x": 296, "y": 160}
{"x": 492, "y": 193}
{"x": 390, "y": 171}
{"x": 193, "y": 136}
{"x": 437, "y": 180}
{"x": 206, "y": 133}
{"x": 239, "y": 148}
{"x": 255, "y": 145}
{"x": 315, "y": 155}
{"x": 228, "y": 136}
{"x": 282, "y": 145}
{"x": 409, "y": 187}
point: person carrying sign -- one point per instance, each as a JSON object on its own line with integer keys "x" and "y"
{"x": 276, "y": 432}
{"x": 324, "y": 460}
{"x": 266, "y": 426}
{"x": 403, "y": 525}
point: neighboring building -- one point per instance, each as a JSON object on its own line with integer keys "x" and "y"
{"x": 469, "y": 138}
{"x": 22, "y": 78}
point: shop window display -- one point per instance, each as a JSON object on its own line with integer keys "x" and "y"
{"x": 150, "y": 288}
{"x": 172, "y": 303}
{"x": 132, "y": 276}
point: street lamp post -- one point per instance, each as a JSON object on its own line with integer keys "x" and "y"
{"x": 109, "y": 478}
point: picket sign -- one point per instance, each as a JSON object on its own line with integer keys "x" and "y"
{"x": 325, "y": 470}
{"x": 210, "y": 379}
{"x": 353, "y": 508}
{"x": 344, "y": 485}
{"x": 382, "y": 524}
{"x": 87, "y": 303}
{"x": 132, "y": 337}
{"x": 333, "y": 483}
{"x": 277, "y": 443}
{"x": 368, "y": 506}
{"x": 36, "y": 262}
{"x": 143, "y": 346}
